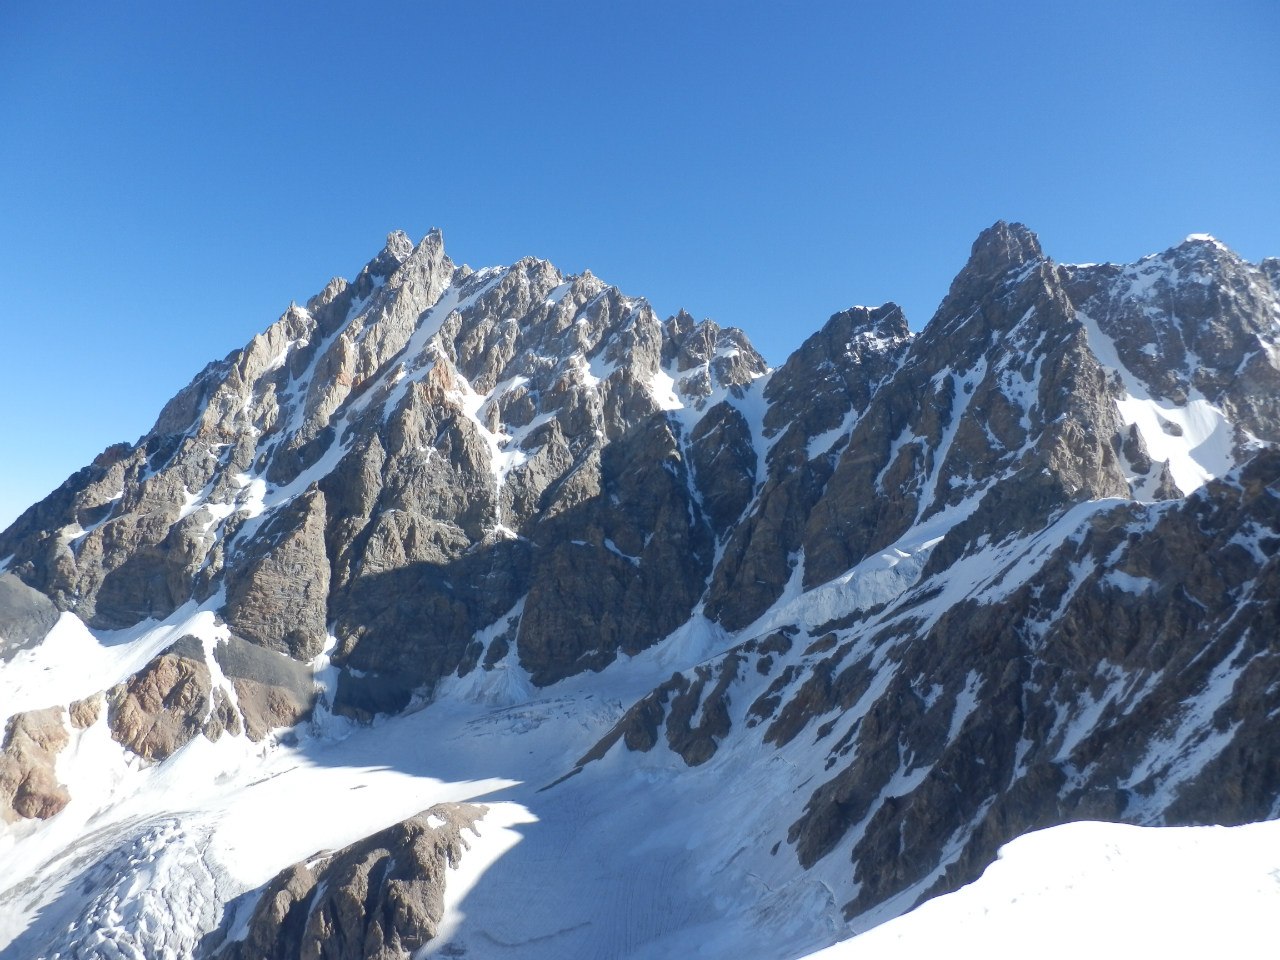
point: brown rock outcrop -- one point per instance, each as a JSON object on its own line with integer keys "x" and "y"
{"x": 272, "y": 689}
{"x": 28, "y": 783}
{"x": 164, "y": 705}
{"x": 84, "y": 713}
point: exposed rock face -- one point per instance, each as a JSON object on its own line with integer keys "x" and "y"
{"x": 225, "y": 718}
{"x": 379, "y": 899}
{"x": 369, "y": 455}
{"x": 171, "y": 700}
{"x": 695, "y": 718}
{"x": 26, "y": 616}
{"x": 271, "y": 690}
{"x": 1001, "y": 389}
{"x": 623, "y": 570}
{"x": 814, "y": 400}
{"x": 277, "y": 598}
{"x": 164, "y": 705}
{"x": 1177, "y": 609}
{"x": 951, "y": 726}
{"x": 28, "y": 784}
{"x": 1193, "y": 321}
{"x": 953, "y": 729}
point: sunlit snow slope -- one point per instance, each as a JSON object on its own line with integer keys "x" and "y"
{"x": 1101, "y": 890}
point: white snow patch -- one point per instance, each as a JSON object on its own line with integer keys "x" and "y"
{"x": 1127, "y": 581}
{"x": 1101, "y": 890}
{"x": 494, "y": 836}
{"x": 502, "y": 684}
{"x": 962, "y": 388}
{"x": 826, "y": 440}
{"x": 557, "y": 294}
{"x": 190, "y": 503}
{"x": 694, "y": 641}
{"x": 1195, "y": 439}
{"x": 966, "y": 701}
{"x": 662, "y": 387}
{"x": 613, "y": 548}
{"x": 601, "y": 369}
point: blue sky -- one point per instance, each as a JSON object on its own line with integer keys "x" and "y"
{"x": 175, "y": 174}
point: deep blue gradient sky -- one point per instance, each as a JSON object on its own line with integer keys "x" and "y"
{"x": 175, "y": 174}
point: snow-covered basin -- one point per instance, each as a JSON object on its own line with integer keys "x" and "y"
{"x": 633, "y": 857}
{"x": 1102, "y": 890}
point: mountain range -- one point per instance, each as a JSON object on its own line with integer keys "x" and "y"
{"x": 487, "y": 613}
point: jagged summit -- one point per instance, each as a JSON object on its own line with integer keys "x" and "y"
{"x": 395, "y": 252}
{"x": 1001, "y": 247}
{"x": 744, "y": 655}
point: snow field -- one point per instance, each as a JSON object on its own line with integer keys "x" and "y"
{"x": 1101, "y": 890}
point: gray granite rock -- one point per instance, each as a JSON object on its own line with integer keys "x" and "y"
{"x": 26, "y": 616}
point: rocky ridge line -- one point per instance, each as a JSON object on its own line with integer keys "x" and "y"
{"x": 1014, "y": 569}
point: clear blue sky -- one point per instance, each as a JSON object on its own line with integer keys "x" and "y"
{"x": 174, "y": 174}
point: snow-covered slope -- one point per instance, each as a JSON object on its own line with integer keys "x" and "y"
{"x": 484, "y": 613}
{"x": 1101, "y": 890}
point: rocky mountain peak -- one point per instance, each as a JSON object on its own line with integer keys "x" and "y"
{"x": 1194, "y": 326}
{"x": 678, "y": 325}
{"x": 1006, "y": 282}
{"x": 1204, "y": 242}
{"x": 706, "y": 357}
{"x": 872, "y": 329}
{"x": 1200, "y": 256}
{"x": 393, "y": 253}
{"x": 837, "y": 367}
{"x": 1001, "y": 247}
{"x": 399, "y": 245}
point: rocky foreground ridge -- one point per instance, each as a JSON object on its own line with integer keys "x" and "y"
{"x": 930, "y": 590}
